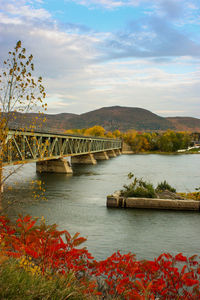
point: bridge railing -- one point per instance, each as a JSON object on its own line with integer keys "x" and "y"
{"x": 23, "y": 147}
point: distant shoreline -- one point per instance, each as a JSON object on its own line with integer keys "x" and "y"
{"x": 159, "y": 152}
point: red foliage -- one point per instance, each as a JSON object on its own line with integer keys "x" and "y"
{"x": 163, "y": 278}
{"x": 166, "y": 277}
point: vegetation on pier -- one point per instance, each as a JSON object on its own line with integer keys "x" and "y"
{"x": 143, "y": 189}
{"x": 191, "y": 195}
{"x": 163, "y": 186}
{"x": 138, "y": 188}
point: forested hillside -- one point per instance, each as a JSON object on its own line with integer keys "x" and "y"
{"x": 110, "y": 118}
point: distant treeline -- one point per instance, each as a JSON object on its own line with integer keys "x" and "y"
{"x": 168, "y": 141}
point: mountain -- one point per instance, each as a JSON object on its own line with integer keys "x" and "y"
{"x": 185, "y": 123}
{"x": 43, "y": 122}
{"x": 122, "y": 118}
{"x": 111, "y": 118}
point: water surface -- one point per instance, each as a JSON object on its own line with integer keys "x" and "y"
{"x": 78, "y": 203}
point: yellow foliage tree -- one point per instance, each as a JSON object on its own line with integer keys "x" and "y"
{"x": 129, "y": 136}
{"x": 110, "y": 135}
{"x": 95, "y": 131}
{"x": 117, "y": 133}
{"x": 20, "y": 91}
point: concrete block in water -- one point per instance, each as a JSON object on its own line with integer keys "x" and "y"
{"x": 162, "y": 204}
{"x": 152, "y": 203}
{"x": 112, "y": 201}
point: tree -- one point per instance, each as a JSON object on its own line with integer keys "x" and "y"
{"x": 95, "y": 131}
{"x": 110, "y": 135}
{"x": 20, "y": 91}
{"x": 117, "y": 133}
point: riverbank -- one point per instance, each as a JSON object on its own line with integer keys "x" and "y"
{"x": 160, "y": 152}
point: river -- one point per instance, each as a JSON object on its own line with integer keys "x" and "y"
{"x": 78, "y": 203}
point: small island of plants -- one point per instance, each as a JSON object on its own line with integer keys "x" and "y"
{"x": 143, "y": 189}
{"x": 142, "y": 194}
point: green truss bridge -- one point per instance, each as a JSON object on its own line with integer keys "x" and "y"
{"x": 51, "y": 151}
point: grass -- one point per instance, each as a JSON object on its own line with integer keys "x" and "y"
{"x": 143, "y": 189}
{"x": 138, "y": 188}
{"x": 190, "y": 196}
{"x": 18, "y": 284}
{"x": 165, "y": 186}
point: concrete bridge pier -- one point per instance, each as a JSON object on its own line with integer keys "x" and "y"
{"x": 84, "y": 159}
{"x": 101, "y": 155}
{"x": 118, "y": 152}
{"x": 111, "y": 153}
{"x": 60, "y": 165}
{"x": 126, "y": 149}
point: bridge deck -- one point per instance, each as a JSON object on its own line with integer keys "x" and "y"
{"x": 24, "y": 147}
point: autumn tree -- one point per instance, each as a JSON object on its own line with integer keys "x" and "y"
{"x": 117, "y": 133}
{"x": 110, "y": 135}
{"x": 129, "y": 137}
{"x": 168, "y": 141}
{"x": 95, "y": 131}
{"x": 20, "y": 91}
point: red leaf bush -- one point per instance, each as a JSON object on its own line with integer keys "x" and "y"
{"x": 120, "y": 275}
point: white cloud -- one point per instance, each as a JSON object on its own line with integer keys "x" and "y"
{"x": 9, "y": 20}
{"x": 109, "y": 4}
{"x": 24, "y": 10}
{"x": 129, "y": 84}
{"x": 170, "y": 6}
{"x": 81, "y": 73}
{"x": 170, "y": 112}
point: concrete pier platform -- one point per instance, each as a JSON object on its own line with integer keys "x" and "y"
{"x": 152, "y": 203}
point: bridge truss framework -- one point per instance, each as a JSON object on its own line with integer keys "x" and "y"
{"x": 24, "y": 147}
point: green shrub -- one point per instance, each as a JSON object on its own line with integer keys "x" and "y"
{"x": 163, "y": 186}
{"x": 138, "y": 188}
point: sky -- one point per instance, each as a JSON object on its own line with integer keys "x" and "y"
{"x": 100, "y": 53}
